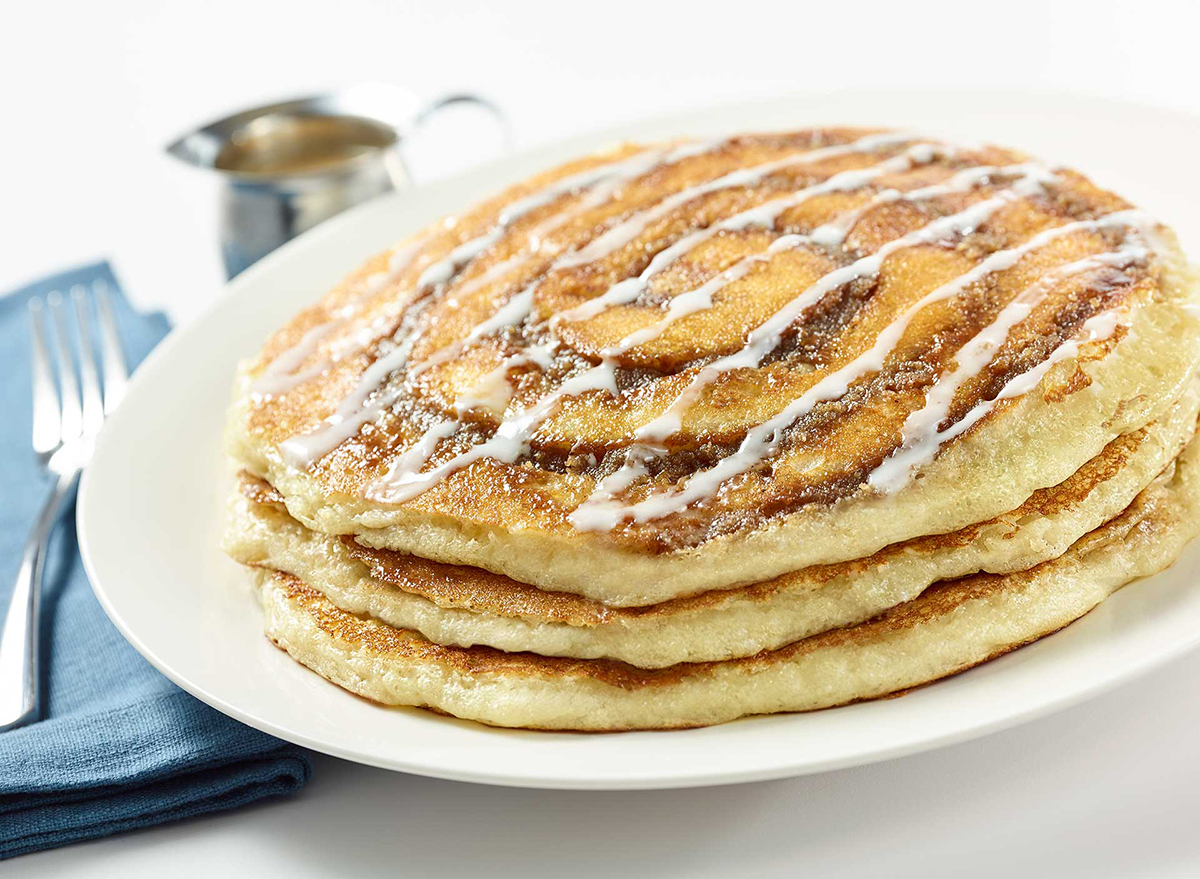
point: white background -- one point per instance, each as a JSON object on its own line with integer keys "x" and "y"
{"x": 93, "y": 91}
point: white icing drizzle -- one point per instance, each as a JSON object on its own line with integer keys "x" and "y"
{"x": 835, "y": 232}
{"x": 513, "y": 435}
{"x": 762, "y": 216}
{"x": 415, "y": 458}
{"x": 895, "y": 472}
{"x": 766, "y": 337}
{"x": 633, "y": 469}
{"x": 598, "y": 185}
{"x": 405, "y": 477}
{"x": 542, "y": 354}
{"x": 352, "y": 413}
{"x": 397, "y": 485}
{"x": 762, "y": 440}
{"x": 283, "y": 373}
{"x": 624, "y": 232}
{"x": 611, "y": 176}
{"x": 830, "y": 234}
{"x": 491, "y": 273}
{"x": 699, "y": 299}
{"x": 510, "y": 314}
{"x": 517, "y": 309}
{"x": 492, "y": 392}
{"x": 921, "y": 438}
{"x": 446, "y": 268}
{"x": 405, "y": 480}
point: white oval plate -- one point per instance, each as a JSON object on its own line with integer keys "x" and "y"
{"x": 151, "y": 502}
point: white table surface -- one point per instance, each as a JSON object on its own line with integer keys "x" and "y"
{"x": 94, "y": 90}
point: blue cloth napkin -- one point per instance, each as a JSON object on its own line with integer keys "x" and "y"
{"x": 118, "y": 746}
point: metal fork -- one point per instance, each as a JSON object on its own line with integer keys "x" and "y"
{"x": 65, "y": 425}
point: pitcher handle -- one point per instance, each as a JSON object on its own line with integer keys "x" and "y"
{"x": 435, "y": 106}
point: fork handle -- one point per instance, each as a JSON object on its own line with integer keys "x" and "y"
{"x": 19, "y": 637}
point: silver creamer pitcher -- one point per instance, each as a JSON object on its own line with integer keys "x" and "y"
{"x": 288, "y": 166}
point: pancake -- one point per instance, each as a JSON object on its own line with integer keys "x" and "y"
{"x": 670, "y": 369}
{"x": 950, "y": 627}
{"x": 677, "y": 433}
{"x": 462, "y": 606}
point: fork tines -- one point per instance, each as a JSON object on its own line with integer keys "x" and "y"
{"x": 75, "y": 409}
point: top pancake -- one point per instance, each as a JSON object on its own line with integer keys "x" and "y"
{"x": 711, "y": 364}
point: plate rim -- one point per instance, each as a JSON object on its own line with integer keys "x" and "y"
{"x": 1045, "y": 703}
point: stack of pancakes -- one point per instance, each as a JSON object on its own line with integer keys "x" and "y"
{"x": 678, "y": 433}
